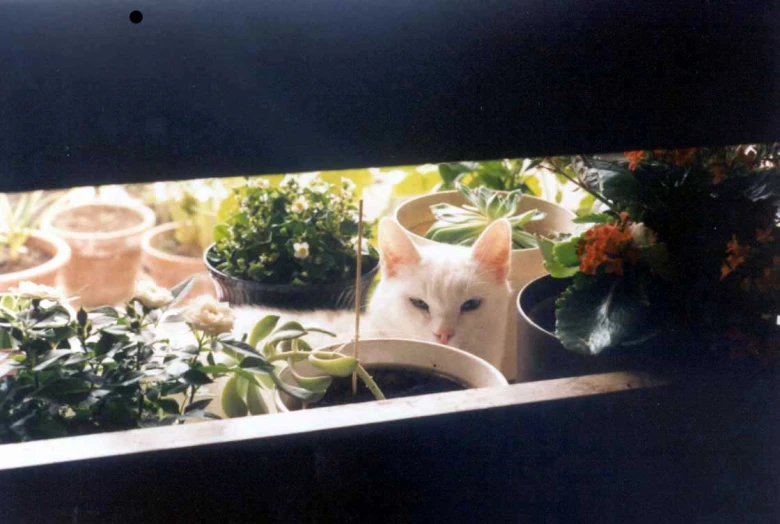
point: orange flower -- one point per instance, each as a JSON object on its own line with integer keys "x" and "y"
{"x": 683, "y": 156}
{"x": 633, "y": 158}
{"x": 735, "y": 256}
{"x": 606, "y": 245}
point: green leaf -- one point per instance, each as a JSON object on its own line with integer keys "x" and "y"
{"x": 242, "y": 348}
{"x": 257, "y": 363}
{"x": 53, "y": 356}
{"x": 198, "y": 405}
{"x": 262, "y": 329}
{"x": 105, "y": 311}
{"x": 551, "y": 262}
{"x": 196, "y": 377}
{"x": 215, "y": 369}
{"x": 334, "y": 364}
{"x": 299, "y": 393}
{"x": 247, "y": 374}
{"x": 596, "y": 314}
{"x": 594, "y": 218}
{"x": 231, "y": 402}
{"x": 180, "y": 290}
{"x": 317, "y": 384}
{"x": 66, "y": 390}
{"x": 255, "y": 401}
{"x": 566, "y": 253}
{"x": 169, "y": 405}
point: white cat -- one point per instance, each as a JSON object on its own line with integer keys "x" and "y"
{"x": 439, "y": 293}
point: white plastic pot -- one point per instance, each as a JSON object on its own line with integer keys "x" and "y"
{"x": 464, "y": 368}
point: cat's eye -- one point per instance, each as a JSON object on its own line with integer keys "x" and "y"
{"x": 471, "y": 305}
{"x": 419, "y": 304}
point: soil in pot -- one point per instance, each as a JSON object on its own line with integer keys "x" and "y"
{"x": 394, "y": 381}
{"x": 98, "y": 219}
{"x": 29, "y": 257}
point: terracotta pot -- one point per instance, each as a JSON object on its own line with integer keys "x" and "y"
{"x": 465, "y": 368}
{"x": 104, "y": 266}
{"x": 167, "y": 269}
{"x": 527, "y": 264}
{"x": 332, "y": 295}
{"x": 47, "y": 273}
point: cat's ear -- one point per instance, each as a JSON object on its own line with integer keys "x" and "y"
{"x": 395, "y": 247}
{"x": 493, "y": 248}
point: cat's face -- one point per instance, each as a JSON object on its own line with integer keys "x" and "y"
{"x": 445, "y": 294}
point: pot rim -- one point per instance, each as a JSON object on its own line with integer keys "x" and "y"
{"x": 522, "y": 312}
{"x": 61, "y": 256}
{"x": 338, "y": 284}
{"x": 149, "y": 249}
{"x": 496, "y": 375}
{"x": 431, "y": 196}
{"x": 148, "y": 219}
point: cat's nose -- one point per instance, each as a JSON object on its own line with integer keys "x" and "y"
{"x": 444, "y": 335}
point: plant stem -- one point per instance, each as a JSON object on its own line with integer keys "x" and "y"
{"x": 580, "y": 185}
{"x": 369, "y": 382}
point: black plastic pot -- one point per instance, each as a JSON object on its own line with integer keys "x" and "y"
{"x": 333, "y": 295}
{"x": 540, "y": 356}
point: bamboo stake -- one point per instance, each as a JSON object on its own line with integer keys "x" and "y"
{"x": 358, "y": 292}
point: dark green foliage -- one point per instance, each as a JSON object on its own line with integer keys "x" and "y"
{"x": 294, "y": 234}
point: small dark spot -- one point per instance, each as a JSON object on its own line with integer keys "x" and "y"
{"x": 434, "y": 365}
{"x": 136, "y": 17}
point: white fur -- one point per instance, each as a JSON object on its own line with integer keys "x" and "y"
{"x": 443, "y": 276}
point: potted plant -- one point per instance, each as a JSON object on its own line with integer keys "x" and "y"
{"x": 293, "y": 246}
{"x": 385, "y": 368}
{"x": 105, "y": 241}
{"x": 112, "y": 369}
{"x": 27, "y": 254}
{"x": 530, "y": 216}
{"x": 681, "y": 268}
{"x": 173, "y": 251}
{"x": 388, "y": 368}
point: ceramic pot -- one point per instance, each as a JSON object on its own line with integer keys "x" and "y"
{"x": 540, "y": 356}
{"x": 167, "y": 269}
{"x": 104, "y": 265}
{"x": 333, "y": 295}
{"x": 47, "y": 273}
{"x": 465, "y": 368}
{"x": 416, "y": 218}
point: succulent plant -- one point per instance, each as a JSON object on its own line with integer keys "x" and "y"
{"x": 462, "y": 225}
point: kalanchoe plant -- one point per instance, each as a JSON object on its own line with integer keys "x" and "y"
{"x": 688, "y": 245}
{"x": 301, "y": 233}
{"x": 107, "y": 370}
{"x": 462, "y": 225}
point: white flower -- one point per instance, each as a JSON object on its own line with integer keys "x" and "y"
{"x": 642, "y": 235}
{"x": 36, "y": 291}
{"x": 289, "y": 181}
{"x": 209, "y": 316}
{"x": 299, "y": 205}
{"x": 262, "y": 183}
{"x": 151, "y": 295}
{"x": 319, "y": 186}
{"x": 301, "y": 250}
{"x": 347, "y": 184}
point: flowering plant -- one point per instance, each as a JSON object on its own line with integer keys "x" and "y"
{"x": 686, "y": 246}
{"x": 302, "y": 232}
{"x": 110, "y": 369}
